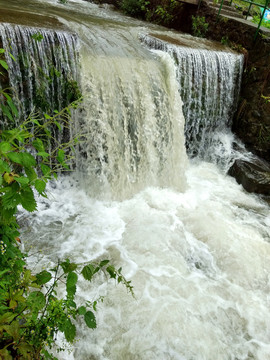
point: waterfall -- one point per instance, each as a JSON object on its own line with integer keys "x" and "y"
{"x": 193, "y": 243}
{"x": 209, "y": 83}
{"x": 44, "y": 72}
{"x": 132, "y": 120}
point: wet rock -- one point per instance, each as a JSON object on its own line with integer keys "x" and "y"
{"x": 27, "y": 18}
{"x": 256, "y": 114}
{"x": 254, "y": 176}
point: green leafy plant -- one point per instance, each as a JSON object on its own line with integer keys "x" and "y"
{"x": 257, "y": 18}
{"x": 225, "y": 40}
{"x": 37, "y": 37}
{"x": 2, "y": 61}
{"x": 31, "y": 311}
{"x": 167, "y": 12}
{"x": 135, "y": 8}
{"x": 161, "y": 12}
{"x": 266, "y": 98}
{"x": 199, "y": 26}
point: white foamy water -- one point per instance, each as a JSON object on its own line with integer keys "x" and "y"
{"x": 198, "y": 261}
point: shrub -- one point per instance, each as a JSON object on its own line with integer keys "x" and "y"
{"x": 199, "y": 26}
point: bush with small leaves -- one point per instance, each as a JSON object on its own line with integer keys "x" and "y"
{"x": 199, "y": 26}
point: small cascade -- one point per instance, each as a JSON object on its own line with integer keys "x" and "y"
{"x": 209, "y": 83}
{"x": 44, "y": 74}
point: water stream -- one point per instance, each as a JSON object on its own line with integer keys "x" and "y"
{"x": 193, "y": 242}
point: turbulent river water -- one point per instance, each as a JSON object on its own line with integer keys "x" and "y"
{"x": 194, "y": 244}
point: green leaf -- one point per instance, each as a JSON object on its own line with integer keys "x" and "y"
{"x": 21, "y": 135}
{"x": 111, "y": 270}
{"x": 88, "y": 272}
{"x": 72, "y": 279}
{"x": 65, "y": 165}
{"x": 6, "y": 111}
{"x": 48, "y": 117}
{"x": 61, "y": 155}
{"x": 22, "y": 180}
{"x": 82, "y": 310}
{"x": 72, "y": 303}
{"x": 28, "y": 160}
{"x": 15, "y": 157}
{"x": 36, "y": 300}
{"x": 46, "y": 170}
{"x": 3, "y": 272}
{"x": 11, "y": 199}
{"x": 90, "y": 319}
{"x": 26, "y": 349}
{"x": 43, "y": 277}
{"x": 71, "y": 285}
{"x": 58, "y": 125}
{"x": 4, "y": 64}
{"x": 69, "y": 330}
{"x": 67, "y": 266}
{"x": 13, "y": 107}
{"x": 12, "y": 57}
{"x": 5, "y": 147}
{"x": 2, "y": 51}
{"x": 4, "y": 354}
{"x": 4, "y": 166}
{"x": 35, "y": 121}
{"x": 7, "y": 317}
{"x": 103, "y": 263}
{"x": 28, "y": 200}
{"x": 13, "y": 329}
{"x": 6, "y": 95}
{"x": 37, "y": 37}
{"x": 31, "y": 174}
{"x": 40, "y": 186}
{"x": 43, "y": 154}
{"x": 38, "y": 145}
{"x": 8, "y": 214}
{"x": 95, "y": 305}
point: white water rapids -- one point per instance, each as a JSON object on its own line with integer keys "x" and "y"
{"x": 194, "y": 244}
{"x": 198, "y": 261}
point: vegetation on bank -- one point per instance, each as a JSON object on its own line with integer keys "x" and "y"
{"x": 32, "y": 312}
{"x": 157, "y": 11}
{"x": 255, "y": 11}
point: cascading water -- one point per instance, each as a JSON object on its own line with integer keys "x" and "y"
{"x": 197, "y": 250}
{"x": 209, "y": 83}
{"x": 133, "y": 127}
{"x": 44, "y": 68}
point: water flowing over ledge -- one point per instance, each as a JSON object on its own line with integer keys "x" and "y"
{"x": 209, "y": 83}
{"x": 45, "y": 66}
{"x": 133, "y": 125}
